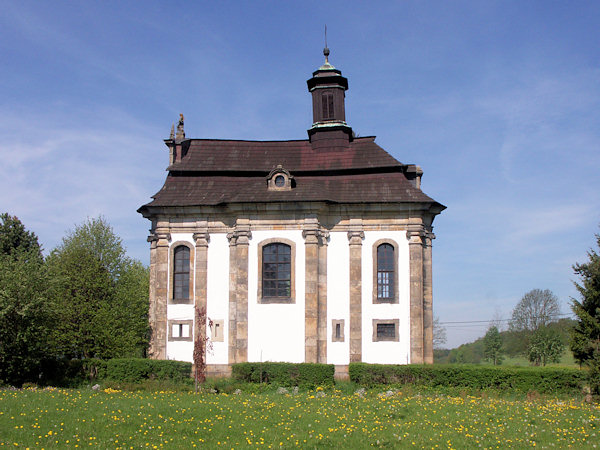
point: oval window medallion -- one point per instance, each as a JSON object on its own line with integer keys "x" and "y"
{"x": 279, "y": 181}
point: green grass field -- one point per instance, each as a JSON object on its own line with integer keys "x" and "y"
{"x": 58, "y": 418}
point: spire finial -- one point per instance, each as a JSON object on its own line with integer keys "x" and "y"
{"x": 326, "y": 49}
{"x": 172, "y": 135}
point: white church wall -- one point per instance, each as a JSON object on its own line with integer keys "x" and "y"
{"x": 276, "y": 331}
{"x": 338, "y": 296}
{"x": 217, "y": 307}
{"x": 386, "y": 352}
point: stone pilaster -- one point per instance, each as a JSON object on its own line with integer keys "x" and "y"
{"x": 315, "y": 306}
{"x": 159, "y": 328}
{"x": 239, "y": 241}
{"x": 415, "y": 238}
{"x": 152, "y": 239}
{"x": 310, "y": 233}
{"x": 355, "y": 238}
{"x": 322, "y": 313}
{"x": 427, "y": 299}
{"x": 232, "y": 297}
{"x": 201, "y": 240}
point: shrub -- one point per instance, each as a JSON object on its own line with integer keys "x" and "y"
{"x": 522, "y": 379}
{"x": 72, "y": 373}
{"x": 135, "y": 370}
{"x": 306, "y": 375}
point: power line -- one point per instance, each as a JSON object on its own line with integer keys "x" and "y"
{"x": 498, "y": 320}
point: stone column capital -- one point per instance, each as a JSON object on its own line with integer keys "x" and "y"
{"x": 201, "y": 239}
{"x": 323, "y": 237}
{"x": 231, "y": 238}
{"x": 416, "y": 234}
{"x": 315, "y": 236}
{"x": 429, "y": 235}
{"x": 162, "y": 239}
{"x": 239, "y": 237}
{"x": 355, "y": 237}
{"x": 153, "y": 240}
{"x": 311, "y": 236}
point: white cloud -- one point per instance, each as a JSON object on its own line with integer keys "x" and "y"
{"x": 60, "y": 174}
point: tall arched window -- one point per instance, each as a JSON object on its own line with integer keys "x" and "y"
{"x": 181, "y": 273}
{"x": 276, "y": 271}
{"x": 385, "y": 272}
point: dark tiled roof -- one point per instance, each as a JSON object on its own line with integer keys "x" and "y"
{"x": 209, "y": 155}
{"x": 215, "y": 172}
{"x": 361, "y": 188}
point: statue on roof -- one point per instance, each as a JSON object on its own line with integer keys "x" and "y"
{"x": 180, "y": 132}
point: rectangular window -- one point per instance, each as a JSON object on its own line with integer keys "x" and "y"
{"x": 180, "y": 330}
{"x": 327, "y": 105}
{"x": 386, "y": 330}
{"x": 217, "y": 331}
{"x": 337, "y": 334}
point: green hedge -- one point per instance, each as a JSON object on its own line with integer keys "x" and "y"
{"x": 522, "y": 379}
{"x": 134, "y": 370}
{"x": 285, "y": 374}
{"x": 71, "y": 372}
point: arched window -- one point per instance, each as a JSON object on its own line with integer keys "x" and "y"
{"x": 385, "y": 273}
{"x": 277, "y": 270}
{"x": 181, "y": 273}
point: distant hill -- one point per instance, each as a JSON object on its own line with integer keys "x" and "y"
{"x": 515, "y": 345}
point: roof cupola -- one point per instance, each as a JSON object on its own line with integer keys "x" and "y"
{"x": 327, "y": 87}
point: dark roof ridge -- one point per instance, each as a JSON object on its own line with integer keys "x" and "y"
{"x": 263, "y": 141}
{"x": 243, "y": 140}
{"x": 314, "y": 173}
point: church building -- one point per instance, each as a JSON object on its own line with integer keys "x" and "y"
{"x": 314, "y": 250}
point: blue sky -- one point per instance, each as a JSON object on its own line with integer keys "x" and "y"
{"x": 497, "y": 101}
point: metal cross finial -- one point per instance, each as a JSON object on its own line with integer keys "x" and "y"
{"x": 326, "y": 50}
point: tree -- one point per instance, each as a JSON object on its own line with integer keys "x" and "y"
{"x": 536, "y": 309}
{"x": 98, "y": 237}
{"x": 439, "y": 334}
{"x": 492, "y": 346}
{"x": 16, "y": 240}
{"x": 101, "y": 295}
{"x": 82, "y": 296}
{"x": 585, "y": 337}
{"x": 25, "y": 314}
{"x": 545, "y": 346}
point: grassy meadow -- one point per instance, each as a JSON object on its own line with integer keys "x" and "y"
{"x": 109, "y": 418}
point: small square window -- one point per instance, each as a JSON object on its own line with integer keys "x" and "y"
{"x": 180, "y": 330}
{"x": 386, "y": 330}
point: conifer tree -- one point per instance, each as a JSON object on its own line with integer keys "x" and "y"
{"x": 585, "y": 337}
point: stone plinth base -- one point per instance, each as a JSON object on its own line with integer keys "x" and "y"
{"x": 341, "y": 372}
